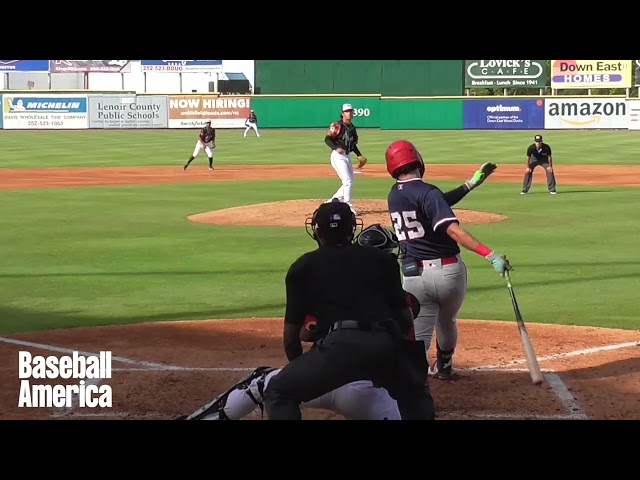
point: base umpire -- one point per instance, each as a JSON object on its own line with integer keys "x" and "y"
{"x": 356, "y": 295}
{"x": 539, "y": 155}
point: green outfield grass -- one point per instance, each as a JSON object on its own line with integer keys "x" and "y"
{"x": 115, "y": 255}
{"x": 98, "y": 148}
{"x": 108, "y": 255}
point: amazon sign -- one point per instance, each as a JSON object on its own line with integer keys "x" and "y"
{"x": 583, "y": 113}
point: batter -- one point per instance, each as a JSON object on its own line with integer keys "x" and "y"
{"x": 430, "y": 235}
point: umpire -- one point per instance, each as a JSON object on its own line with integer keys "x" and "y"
{"x": 364, "y": 322}
{"x": 539, "y": 154}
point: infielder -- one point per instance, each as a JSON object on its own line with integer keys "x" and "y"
{"x": 251, "y": 123}
{"x": 430, "y": 235}
{"x": 207, "y": 142}
{"x": 358, "y": 400}
{"x": 342, "y": 139}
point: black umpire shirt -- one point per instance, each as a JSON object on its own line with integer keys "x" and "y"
{"x": 344, "y": 283}
{"x": 542, "y": 155}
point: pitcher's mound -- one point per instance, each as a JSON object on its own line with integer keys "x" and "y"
{"x": 293, "y": 213}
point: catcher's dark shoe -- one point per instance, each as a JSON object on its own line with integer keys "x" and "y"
{"x": 214, "y": 410}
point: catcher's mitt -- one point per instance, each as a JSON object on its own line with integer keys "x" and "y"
{"x": 334, "y": 129}
{"x": 362, "y": 161}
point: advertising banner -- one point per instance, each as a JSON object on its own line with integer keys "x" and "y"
{"x": 191, "y": 111}
{"x": 128, "y": 111}
{"x": 105, "y": 66}
{"x": 566, "y": 74}
{"x": 586, "y": 113}
{"x": 637, "y": 82}
{"x": 1, "y": 116}
{"x": 45, "y": 112}
{"x": 24, "y": 66}
{"x": 634, "y": 114}
{"x": 505, "y": 73}
{"x": 177, "y": 66}
{"x": 503, "y": 114}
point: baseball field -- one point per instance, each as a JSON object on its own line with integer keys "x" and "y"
{"x": 108, "y": 244}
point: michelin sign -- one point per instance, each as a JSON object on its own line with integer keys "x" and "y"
{"x": 36, "y": 111}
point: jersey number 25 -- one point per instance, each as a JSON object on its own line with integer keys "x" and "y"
{"x": 406, "y": 225}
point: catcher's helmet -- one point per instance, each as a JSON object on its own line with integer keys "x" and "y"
{"x": 334, "y": 221}
{"x": 400, "y": 154}
{"x": 378, "y": 236}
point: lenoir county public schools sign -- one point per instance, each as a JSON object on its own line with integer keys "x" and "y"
{"x": 505, "y": 73}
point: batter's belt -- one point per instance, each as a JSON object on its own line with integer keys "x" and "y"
{"x": 415, "y": 268}
{"x": 439, "y": 262}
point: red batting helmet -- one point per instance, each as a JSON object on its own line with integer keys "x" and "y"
{"x": 402, "y": 153}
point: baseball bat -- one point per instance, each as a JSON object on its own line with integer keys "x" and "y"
{"x": 532, "y": 361}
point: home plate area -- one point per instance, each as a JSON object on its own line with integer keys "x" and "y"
{"x": 164, "y": 370}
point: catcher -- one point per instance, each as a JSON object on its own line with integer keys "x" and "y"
{"x": 207, "y": 142}
{"x": 359, "y": 400}
{"x": 342, "y": 139}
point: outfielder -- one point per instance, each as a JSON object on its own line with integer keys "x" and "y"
{"x": 359, "y": 400}
{"x": 342, "y": 139}
{"x": 251, "y": 123}
{"x": 430, "y": 235}
{"x": 207, "y": 142}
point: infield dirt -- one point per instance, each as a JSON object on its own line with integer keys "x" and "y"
{"x": 591, "y": 372}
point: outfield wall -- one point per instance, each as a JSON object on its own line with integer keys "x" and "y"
{"x": 128, "y": 110}
{"x": 380, "y": 77}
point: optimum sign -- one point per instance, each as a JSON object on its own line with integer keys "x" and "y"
{"x": 581, "y": 113}
{"x": 505, "y": 73}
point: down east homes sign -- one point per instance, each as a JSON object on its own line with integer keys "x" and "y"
{"x": 505, "y": 73}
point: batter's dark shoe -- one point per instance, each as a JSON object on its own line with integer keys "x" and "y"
{"x": 442, "y": 368}
{"x": 445, "y": 374}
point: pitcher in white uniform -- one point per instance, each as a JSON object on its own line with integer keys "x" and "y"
{"x": 342, "y": 139}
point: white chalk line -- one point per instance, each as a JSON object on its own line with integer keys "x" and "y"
{"x": 142, "y": 363}
{"x": 556, "y": 356}
{"x": 569, "y": 402}
{"x": 574, "y": 410}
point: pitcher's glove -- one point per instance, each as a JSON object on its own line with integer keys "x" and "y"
{"x": 334, "y": 129}
{"x": 362, "y": 161}
{"x": 481, "y": 175}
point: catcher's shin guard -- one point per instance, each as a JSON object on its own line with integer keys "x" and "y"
{"x": 214, "y": 410}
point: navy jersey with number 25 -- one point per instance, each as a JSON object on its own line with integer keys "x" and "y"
{"x": 420, "y": 215}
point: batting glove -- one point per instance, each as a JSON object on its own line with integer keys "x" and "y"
{"x": 481, "y": 175}
{"x": 500, "y": 263}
